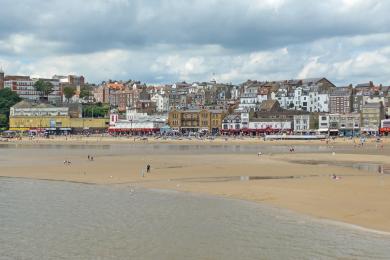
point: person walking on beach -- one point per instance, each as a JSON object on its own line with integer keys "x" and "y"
{"x": 148, "y": 168}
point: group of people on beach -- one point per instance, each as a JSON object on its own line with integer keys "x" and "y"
{"x": 90, "y": 158}
{"x": 67, "y": 162}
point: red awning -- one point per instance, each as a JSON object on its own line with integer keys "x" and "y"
{"x": 133, "y": 130}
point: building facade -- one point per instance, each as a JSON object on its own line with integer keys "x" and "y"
{"x": 24, "y": 87}
{"x": 196, "y": 120}
{"x": 27, "y": 115}
{"x": 341, "y": 100}
{"x": 305, "y": 123}
{"x": 136, "y": 123}
{"x": 372, "y": 114}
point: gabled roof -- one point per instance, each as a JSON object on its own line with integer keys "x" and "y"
{"x": 269, "y": 105}
{"x": 232, "y": 117}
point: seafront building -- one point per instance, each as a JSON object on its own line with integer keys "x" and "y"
{"x": 136, "y": 123}
{"x": 305, "y": 123}
{"x": 372, "y": 114}
{"x": 301, "y": 106}
{"x": 340, "y": 124}
{"x": 30, "y": 116}
{"x": 341, "y": 100}
{"x": 196, "y": 120}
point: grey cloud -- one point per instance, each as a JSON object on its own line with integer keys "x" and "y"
{"x": 165, "y": 41}
{"x": 89, "y": 26}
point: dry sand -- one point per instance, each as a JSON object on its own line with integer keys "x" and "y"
{"x": 359, "y": 197}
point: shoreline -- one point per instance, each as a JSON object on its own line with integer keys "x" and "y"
{"x": 358, "y": 198}
{"x": 184, "y": 140}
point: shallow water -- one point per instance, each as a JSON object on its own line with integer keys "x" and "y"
{"x": 145, "y": 148}
{"x": 363, "y": 166}
{"x": 59, "y": 220}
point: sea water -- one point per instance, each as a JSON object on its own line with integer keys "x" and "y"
{"x": 61, "y": 220}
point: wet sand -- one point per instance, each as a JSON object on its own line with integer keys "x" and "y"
{"x": 298, "y": 181}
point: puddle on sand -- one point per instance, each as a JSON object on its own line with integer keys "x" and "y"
{"x": 363, "y": 166}
{"x": 236, "y": 178}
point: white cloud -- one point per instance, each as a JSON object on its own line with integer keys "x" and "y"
{"x": 166, "y": 41}
{"x": 27, "y": 44}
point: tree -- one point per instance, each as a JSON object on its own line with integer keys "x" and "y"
{"x": 96, "y": 110}
{"x": 45, "y": 87}
{"x": 85, "y": 91}
{"x": 8, "y": 98}
{"x": 69, "y": 92}
{"x": 3, "y": 121}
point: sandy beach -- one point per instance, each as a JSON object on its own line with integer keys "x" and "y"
{"x": 300, "y": 181}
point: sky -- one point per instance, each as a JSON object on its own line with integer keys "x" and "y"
{"x": 166, "y": 41}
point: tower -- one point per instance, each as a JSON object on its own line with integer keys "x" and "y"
{"x": 1, "y": 79}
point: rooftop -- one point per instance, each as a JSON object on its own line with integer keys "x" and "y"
{"x": 28, "y": 104}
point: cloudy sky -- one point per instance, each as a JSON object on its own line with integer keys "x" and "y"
{"x": 162, "y": 41}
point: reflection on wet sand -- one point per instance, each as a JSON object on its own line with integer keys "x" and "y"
{"x": 363, "y": 166}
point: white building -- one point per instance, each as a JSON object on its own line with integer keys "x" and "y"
{"x": 323, "y": 102}
{"x": 245, "y": 119}
{"x": 306, "y": 98}
{"x": 232, "y": 123}
{"x": 304, "y": 123}
{"x": 248, "y": 101}
{"x": 29, "y": 109}
{"x": 136, "y": 123}
{"x": 162, "y": 102}
{"x": 235, "y": 92}
{"x": 328, "y": 123}
{"x": 272, "y": 126}
{"x": 24, "y": 87}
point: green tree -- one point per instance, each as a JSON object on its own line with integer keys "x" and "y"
{"x": 69, "y": 92}
{"x": 96, "y": 110}
{"x": 8, "y": 98}
{"x": 45, "y": 87}
{"x": 85, "y": 91}
{"x": 3, "y": 121}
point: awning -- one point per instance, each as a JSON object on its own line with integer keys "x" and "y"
{"x": 134, "y": 129}
{"x": 327, "y": 130}
{"x": 323, "y": 129}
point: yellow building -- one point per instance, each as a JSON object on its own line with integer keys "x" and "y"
{"x": 24, "y": 123}
{"x": 195, "y": 120}
{"x": 27, "y": 115}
